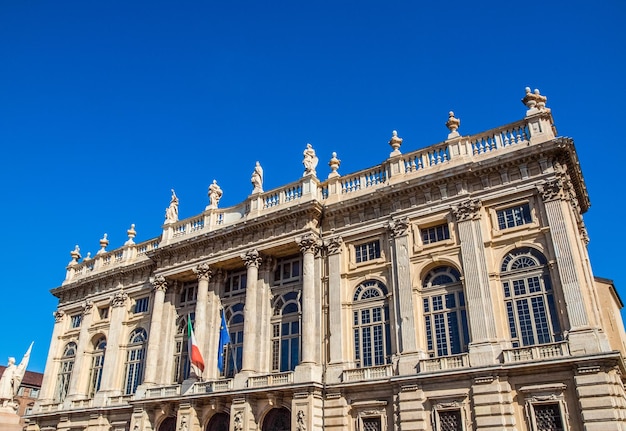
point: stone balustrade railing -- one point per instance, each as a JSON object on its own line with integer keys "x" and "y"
{"x": 163, "y": 391}
{"x": 212, "y": 386}
{"x": 369, "y": 373}
{"x": 270, "y": 380}
{"x": 398, "y": 167}
{"x": 532, "y": 353}
{"x": 444, "y": 363}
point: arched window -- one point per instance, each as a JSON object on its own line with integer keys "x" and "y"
{"x": 234, "y": 350}
{"x": 97, "y": 362}
{"x": 135, "y": 357}
{"x": 529, "y": 299}
{"x": 372, "y": 337}
{"x": 219, "y": 422}
{"x": 182, "y": 366}
{"x": 65, "y": 371}
{"x": 445, "y": 316}
{"x": 286, "y": 332}
{"x": 278, "y": 419}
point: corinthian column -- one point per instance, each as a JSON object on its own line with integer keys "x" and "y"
{"x": 79, "y": 378}
{"x": 402, "y": 286}
{"x": 252, "y": 260}
{"x": 309, "y": 245}
{"x": 203, "y": 272}
{"x": 478, "y": 295}
{"x": 154, "y": 339}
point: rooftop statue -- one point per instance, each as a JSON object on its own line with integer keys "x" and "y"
{"x": 215, "y": 194}
{"x": 11, "y": 379}
{"x": 171, "y": 212}
{"x": 257, "y": 179}
{"x": 310, "y": 160}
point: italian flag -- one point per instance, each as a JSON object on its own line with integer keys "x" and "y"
{"x": 194, "y": 350}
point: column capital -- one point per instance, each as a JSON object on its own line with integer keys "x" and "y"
{"x": 87, "y": 306}
{"x": 398, "y": 227}
{"x": 119, "y": 299}
{"x": 159, "y": 283}
{"x": 333, "y": 245}
{"x": 551, "y": 190}
{"x": 467, "y": 210}
{"x": 203, "y": 271}
{"x": 251, "y": 258}
{"x": 58, "y": 316}
{"x": 308, "y": 243}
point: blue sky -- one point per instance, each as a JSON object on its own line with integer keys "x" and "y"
{"x": 106, "y": 106}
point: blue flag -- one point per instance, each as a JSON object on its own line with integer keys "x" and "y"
{"x": 224, "y": 341}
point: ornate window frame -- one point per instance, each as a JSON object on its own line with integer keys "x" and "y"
{"x": 352, "y": 247}
{"x": 429, "y": 223}
{"x": 542, "y": 395}
{"x": 449, "y": 404}
{"x": 365, "y": 410}
{"x": 494, "y": 210}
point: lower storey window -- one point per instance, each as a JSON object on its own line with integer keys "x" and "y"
{"x": 547, "y": 417}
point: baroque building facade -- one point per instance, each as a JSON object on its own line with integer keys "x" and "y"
{"x": 448, "y": 288}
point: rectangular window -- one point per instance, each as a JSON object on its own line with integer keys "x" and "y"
{"x": 449, "y": 420}
{"x": 76, "y": 319}
{"x": 103, "y": 312}
{"x": 141, "y": 305}
{"x": 367, "y": 251}
{"x": 236, "y": 283}
{"x": 446, "y": 327}
{"x": 548, "y": 417}
{"x": 189, "y": 293}
{"x": 287, "y": 271}
{"x": 34, "y": 392}
{"x": 514, "y": 216}
{"x": 435, "y": 234}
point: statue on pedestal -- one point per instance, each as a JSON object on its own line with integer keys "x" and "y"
{"x": 257, "y": 179}
{"x": 310, "y": 160}
{"x": 171, "y": 212}
{"x": 215, "y": 194}
{"x": 11, "y": 379}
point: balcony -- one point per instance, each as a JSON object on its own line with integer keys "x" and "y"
{"x": 369, "y": 373}
{"x": 536, "y": 353}
{"x": 212, "y": 386}
{"x": 163, "y": 391}
{"x": 444, "y": 363}
{"x": 270, "y": 380}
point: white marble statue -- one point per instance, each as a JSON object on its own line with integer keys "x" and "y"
{"x": 12, "y": 377}
{"x": 215, "y": 194}
{"x": 257, "y": 179}
{"x": 171, "y": 212}
{"x": 310, "y": 160}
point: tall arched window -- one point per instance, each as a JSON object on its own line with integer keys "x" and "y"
{"x": 234, "y": 351}
{"x": 529, "y": 299}
{"x": 65, "y": 371}
{"x": 445, "y": 317}
{"x": 97, "y": 363}
{"x": 135, "y": 357}
{"x": 372, "y": 336}
{"x": 286, "y": 332}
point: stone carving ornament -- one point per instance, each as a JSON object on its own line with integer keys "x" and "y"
{"x": 119, "y": 299}
{"x": 551, "y": 190}
{"x": 300, "y": 419}
{"x": 257, "y": 179}
{"x": 399, "y": 227}
{"x": 308, "y": 243}
{"x": 310, "y": 160}
{"x": 203, "y": 271}
{"x": 333, "y": 245}
{"x": 252, "y": 258}
{"x": 171, "y": 212}
{"x": 467, "y": 210}
{"x": 215, "y": 194}
{"x": 159, "y": 283}
{"x": 58, "y": 316}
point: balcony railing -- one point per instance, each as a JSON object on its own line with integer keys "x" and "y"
{"x": 444, "y": 363}
{"x": 270, "y": 380}
{"x": 369, "y": 373}
{"x": 533, "y": 353}
{"x": 212, "y": 386}
{"x": 163, "y": 391}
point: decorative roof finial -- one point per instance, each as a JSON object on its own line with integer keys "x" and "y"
{"x": 395, "y": 143}
{"x": 334, "y": 165}
{"x": 131, "y": 235}
{"x": 103, "y": 244}
{"x": 75, "y": 255}
{"x": 534, "y": 101}
{"x": 453, "y": 124}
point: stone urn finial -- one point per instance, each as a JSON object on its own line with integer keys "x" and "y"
{"x": 104, "y": 242}
{"x": 534, "y": 100}
{"x": 334, "y": 166}
{"x": 453, "y": 124}
{"x": 131, "y": 235}
{"x": 75, "y": 255}
{"x": 395, "y": 143}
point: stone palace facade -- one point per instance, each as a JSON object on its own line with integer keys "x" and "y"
{"x": 448, "y": 288}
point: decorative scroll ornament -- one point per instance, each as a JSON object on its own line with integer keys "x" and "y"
{"x": 58, "y": 316}
{"x": 203, "y": 271}
{"x": 238, "y": 420}
{"x": 467, "y": 210}
{"x": 333, "y": 245}
{"x": 119, "y": 299}
{"x": 252, "y": 258}
{"x": 399, "y": 227}
{"x": 159, "y": 283}
{"x": 87, "y": 306}
{"x": 551, "y": 190}
{"x": 308, "y": 243}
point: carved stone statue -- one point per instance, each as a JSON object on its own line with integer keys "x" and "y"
{"x": 171, "y": 213}
{"x": 310, "y": 160}
{"x": 215, "y": 194}
{"x": 12, "y": 377}
{"x": 257, "y": 179}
